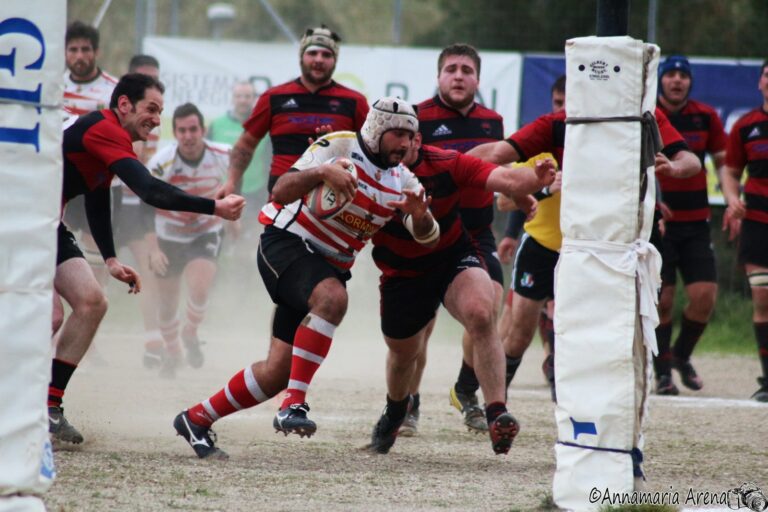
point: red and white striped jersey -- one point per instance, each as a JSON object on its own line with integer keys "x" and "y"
{"x": 201, "y": 178}
{"x": 83, "y": 97}
{"x": 342, "y": 236}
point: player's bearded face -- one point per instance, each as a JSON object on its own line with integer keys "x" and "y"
{"x": 394, "y": 146}
{"x": 317, "y": 66}
{"x": 458, "y": 81}
{"x": 81, "y": 59}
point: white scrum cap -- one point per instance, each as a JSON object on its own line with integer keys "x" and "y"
{"x": 386, "y": 114}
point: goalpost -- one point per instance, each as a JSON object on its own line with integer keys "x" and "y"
{"x": 31, "y": 88}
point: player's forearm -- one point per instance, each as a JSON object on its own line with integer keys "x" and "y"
{"x": 239, "y": 159}
{"x": 97, "y": 211}
{"x": 730, "y": 184}
{"x": 295, "y": 184}
{"x": 519, "y": 181}
{"x": 685, "y": 164}
{"x": 500, "y": 152}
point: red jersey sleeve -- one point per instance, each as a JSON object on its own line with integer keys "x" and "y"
{"x": 736, "y": 151}
{"x": 261, "y": 118}
{"x": 534, "y": 138}
{"x": 669, "y": 135}
{"x": 472, "y": 172}
{"x": 108, "y": 143}
{"x": 717, "y": 138}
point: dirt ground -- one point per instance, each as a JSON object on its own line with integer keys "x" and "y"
{"x": 132, "y": 460}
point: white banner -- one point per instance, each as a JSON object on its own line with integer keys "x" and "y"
{"x": 31, "y": 87}
{"x": 203, "y": 72}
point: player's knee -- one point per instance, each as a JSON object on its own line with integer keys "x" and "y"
{"x": 92, "y": 304}
{"x": 331, "y": 304}
{"x": 478, "y": 316}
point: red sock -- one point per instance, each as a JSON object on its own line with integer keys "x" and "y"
{"x": 310, "y": 346}
{"x": 241, "y": 392}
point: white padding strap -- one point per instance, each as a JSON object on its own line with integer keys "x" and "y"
{"x": 639, "y": 259}
{"x": 432, "y": 236}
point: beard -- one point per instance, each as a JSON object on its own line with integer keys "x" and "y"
{"x": 306, "y": 73}
{"x": 81, "y": 70}
{"x": 460, "y": 103}
{"x": 392, "y": 158}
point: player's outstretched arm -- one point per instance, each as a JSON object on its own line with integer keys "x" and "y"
{"x": 167, "y": 197}
{"x": 501, "y": 152}
{"x": 523, "y": 180}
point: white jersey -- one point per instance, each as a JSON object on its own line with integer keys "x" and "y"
{"x": 83, "y": 97}
{"x": 202, "y": 178}
{"x": 342, "y": 236}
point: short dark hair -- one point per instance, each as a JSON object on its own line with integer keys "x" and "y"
{"x": 559, "y": 85}
{"x": 142, "y": 60}
{"x": 186, "y": 110}
{"x": 765, "y": 65}
{"x": 134, "y": 85}
{"x": 79, "y": 30}
{"x": 462, "y": 50}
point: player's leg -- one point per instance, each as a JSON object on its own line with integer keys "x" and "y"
{"x": 699, "y": 272}
{"x": 408, "y": 308}
{"x": 470, "y": 299}
{"x": 753, "y": 254}
{"x": 303, "y": 281}
{"x": 199, "y": 276}
{"x": 148, "y": 303}
{"x": 168, "y": 294}
{"x": 75, "y": 283}
{"x": 410, "y": 425}
{"x": 668, "y": 246}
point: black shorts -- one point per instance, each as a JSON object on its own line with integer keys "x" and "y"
{"x": 291, "y": 271}
{"x": 74, "y": 215}
{"x": 66, "y": 245}
{"x": 409, "y": 303}
{"x": 207, "y": 247}
{"x": 533, "y": 274}
{"x": 129, "y": 224}
{"x": 687, "y": 247}
{"x": 753, "y": 243}
{"x": 486, "y": 245}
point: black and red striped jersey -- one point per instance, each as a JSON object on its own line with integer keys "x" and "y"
{"x": 290, "y": 113}
{"x": 703, "y": 131}
{"x": 447, "y": 128}
{"x": 445, "y": 175}
{"x": 93, "y": 143}
{"x": 748, "y": 146}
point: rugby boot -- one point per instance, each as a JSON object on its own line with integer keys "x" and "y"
{"x": 384, "y": 434}
{"x": 192, "y": 344}
{"x": 503, "y": 431}
{"x": 60, "y": 428}
{"x": 410, "y": 425}
{"x": 170, "y": 364}
{"x": 153, "y": 354}
{"x": 665, "y": 386}
{"x": 467, "y": 405}
{"x": 201, "y": 439}
{"x": 761, "y": 395}
{"x": 688, "y": 375}
{"x": 293, "y": 419}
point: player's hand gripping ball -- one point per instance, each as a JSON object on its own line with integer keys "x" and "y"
{"x": 322, "y": 201}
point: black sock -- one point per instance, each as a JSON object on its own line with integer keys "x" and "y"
{"x": 689, "y": 335}
{"x": 513, "y": 363}
{"x": 416, "y": 402}
{"x": 61, "y": 372}
{"x": 467, "y": 382}
{"x": 662, "y": 363}
{"x": 761, "y": 333}
{"x": 494, "y": 410}
{"x": 396, "y": 410}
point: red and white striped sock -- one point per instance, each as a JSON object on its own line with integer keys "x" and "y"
{"x": 195, "y": 315}
{"x": 170, "y": 333}
{"x": 241, "y": 392}
{"x": 310, "y": 346}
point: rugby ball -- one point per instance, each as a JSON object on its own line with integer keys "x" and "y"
{"x": 322, "y": 201}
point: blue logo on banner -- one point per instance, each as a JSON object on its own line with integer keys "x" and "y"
{"x": 583, "y": 427}
{"x": 47, "y": 469}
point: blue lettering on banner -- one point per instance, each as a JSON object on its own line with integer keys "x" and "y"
{"x": 8, "y": 61}
{"x": 583, "y": 427}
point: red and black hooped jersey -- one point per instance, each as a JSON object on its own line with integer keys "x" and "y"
{"x": 444, "y": 174}
{"x": 748, "y": 146}
{"x": 290, "y": 114}
{"x": 93, "y": 143}
{"x": 447, "y": 128}
{"x": 703, "y": 131}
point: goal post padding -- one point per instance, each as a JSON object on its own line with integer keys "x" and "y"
{"x": 31, "y": 87}
{"x": 607, "y": 275}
